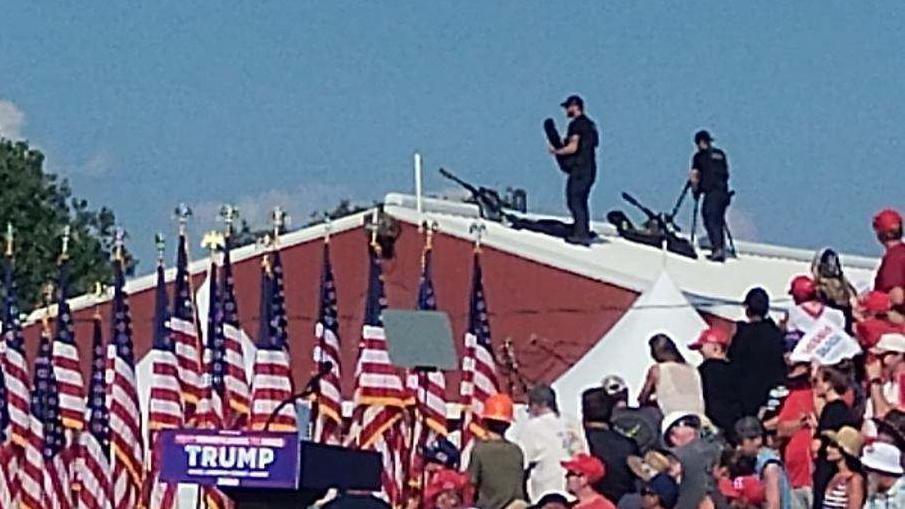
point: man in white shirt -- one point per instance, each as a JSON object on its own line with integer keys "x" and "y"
{"x": 546, "y": 439}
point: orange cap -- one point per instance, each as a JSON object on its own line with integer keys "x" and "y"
{"x": 498, "y": 407}
{"x": 887, "y": 221}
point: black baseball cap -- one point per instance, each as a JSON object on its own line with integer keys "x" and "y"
{"x": 758, "y": 302}
{"x": 573, "y": 99}
{"x": 702, "y": 135}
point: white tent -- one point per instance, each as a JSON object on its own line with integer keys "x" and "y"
{"x": 624, "y": 351}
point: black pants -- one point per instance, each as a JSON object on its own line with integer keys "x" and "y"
{"x": 578, "y": 191}
{"x": 714, "y": 214}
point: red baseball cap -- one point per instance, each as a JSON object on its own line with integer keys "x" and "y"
{"x": 876, "y": 302}
{"x": 747, "y": 488}
{"x": 445, "y": 480}
{"x": 887, "y": 220}
{"x": 712, "y": 335}
{"x": 802, "y": 287}
{"x": 586, "y": 465}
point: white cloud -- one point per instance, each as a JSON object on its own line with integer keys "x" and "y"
{"x": 11, "y": 120}
{"x": 298, "y": 202}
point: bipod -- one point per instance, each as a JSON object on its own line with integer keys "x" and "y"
{"x": 694, "y": 217}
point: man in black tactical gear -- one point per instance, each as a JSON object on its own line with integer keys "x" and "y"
{"x": 578, "y": 155}
{"x": 710, "y": 176}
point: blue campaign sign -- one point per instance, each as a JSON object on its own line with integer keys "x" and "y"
{"x": 230, "y": 458}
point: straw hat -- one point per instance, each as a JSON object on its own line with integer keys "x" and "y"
{"x": 847, "y": 439}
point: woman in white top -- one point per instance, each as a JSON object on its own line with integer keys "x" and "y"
{"x": 672, "y": 383}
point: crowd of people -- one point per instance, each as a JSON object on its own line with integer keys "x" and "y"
{"x": 756, "y": 424}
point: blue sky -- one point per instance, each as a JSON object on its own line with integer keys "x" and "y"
{"x": 304, "y": 103}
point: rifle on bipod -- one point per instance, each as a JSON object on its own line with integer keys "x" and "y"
{"x": 488, "y": 200}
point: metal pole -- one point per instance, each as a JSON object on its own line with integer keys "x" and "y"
{"x": 419, "y": 176}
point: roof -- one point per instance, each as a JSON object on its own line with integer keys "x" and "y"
{"x": 712, "y": 287}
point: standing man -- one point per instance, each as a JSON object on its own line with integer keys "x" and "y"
{"x": 546, "y": 440}
{"x": 757, "y": 353}
{"x": 710, "y": 176}
{"x": 891, "y": 275}
{"x": 718, "y": 379}
{"x": 579, "y": 150}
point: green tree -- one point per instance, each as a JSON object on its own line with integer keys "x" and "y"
{"x": 40, "y": 205}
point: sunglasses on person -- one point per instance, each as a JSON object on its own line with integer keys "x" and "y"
{"x": 690, "y": 421}
{"x": 572, "y": 474}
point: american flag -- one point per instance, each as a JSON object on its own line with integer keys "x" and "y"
{"x": 272, "y": 379}
{"x": 212, "y": 410}
{"x": 94, "y": 469}
{"x": 329, "y": 423}
{"x": 66, "y": 359}
{"x": 235, "y": 380}
{"x": 68, "y": 374}
{"x": 122, "y": 396}
{"x": 165, "y": 408}
{"x": 429, "y": 389}
{"x": 184, "y": 327}
{"x": 15, "y": 368}
{"x": 479, "y": 378}
{"x": 45, "y": 478}
{"x": 14, "y": 393}
{"x": 379, "y": 390}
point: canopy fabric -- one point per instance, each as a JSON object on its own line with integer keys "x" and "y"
{"x": 623, "y": 350}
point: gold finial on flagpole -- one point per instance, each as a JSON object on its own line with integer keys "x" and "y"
{"x": 229, "y": 213}
{"x": 9, "y": 240}
{"x": 64, "y": 249}
{"x": 477, "y": 231}
{"x": 160, "y": 244}
{"x": 212, "y": 241}
{"x": 119, "y": 242}
{"x": 182, "y": 214}
{"x": 279, "y": 219}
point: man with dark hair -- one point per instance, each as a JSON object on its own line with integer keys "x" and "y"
{"x": 607, "y": 444}
{"x": 546, "y": 439}
{"x": 830, "y": 386}
{"x": 579, "y": 149}
{"x": 749, "y": 434}
{"x": 710, "y": 176}
{"x": 757, "y": 353}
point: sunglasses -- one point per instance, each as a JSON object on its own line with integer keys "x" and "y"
{"x": 690, "y": 421}
{"x": 572, "y": 474}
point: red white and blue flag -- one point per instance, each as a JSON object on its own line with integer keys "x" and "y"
{"x": 122, "y": 396}
{"x": 379, "y": 391}
{"x": 479, "y": 375}
{"x": 66, "y": 360}
{"x": 94, "y": 468}
{"x": 272, "y": 379}
{"x": 238, "y": 394}
{"x": 14, "y": 393}
{"x": 328, "y": 426}
{"x": 45, "y": 478}
{"x": 165, "y": 408}
{"x": 184, "y": 327}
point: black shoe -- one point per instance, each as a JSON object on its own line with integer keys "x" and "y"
{"x": 717, "y": 256}
{"x": 579, "y": 240}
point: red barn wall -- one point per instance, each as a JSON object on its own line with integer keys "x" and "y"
{"x": 551, "y": 316}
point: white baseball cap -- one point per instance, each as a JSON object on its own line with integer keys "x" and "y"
{"x": 882, "y": 457}
{"x": 892, "y": 342}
